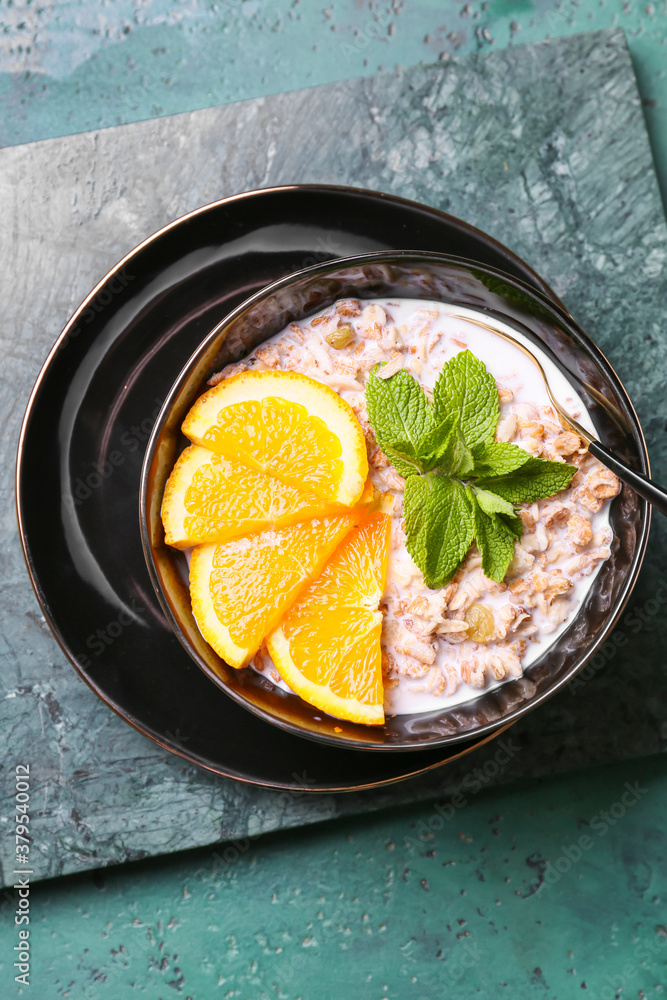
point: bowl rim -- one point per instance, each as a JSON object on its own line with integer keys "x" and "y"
{"x": 386, "y": 257}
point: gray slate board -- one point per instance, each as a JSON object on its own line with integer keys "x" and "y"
{"x": 543, "y": 147}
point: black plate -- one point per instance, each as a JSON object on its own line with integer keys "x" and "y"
{"x": 83, "y": 439}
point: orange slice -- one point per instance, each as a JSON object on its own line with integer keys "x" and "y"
{"x": 327, "y": 646}
{"x": 241, "y": 589}
{"x": 287, "y": 425}
{"x": 209, "y": 498}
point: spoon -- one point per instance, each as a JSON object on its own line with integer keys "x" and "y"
{"x": 650, "y": 491}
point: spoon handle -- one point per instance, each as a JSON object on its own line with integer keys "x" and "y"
{"x": 641, "y": 484}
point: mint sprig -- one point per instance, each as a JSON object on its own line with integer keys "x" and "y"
{"x": 461, "y": 484}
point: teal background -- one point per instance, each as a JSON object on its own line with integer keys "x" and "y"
{"x": 383, "y": 908}
{"x": 408, "y": 903}
{"x": 72, "y": 65}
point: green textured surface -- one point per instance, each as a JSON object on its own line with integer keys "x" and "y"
{"x": 72, "y": 65}
{"x": 494, "y": 902}
{"x": 200, "y": 927}
{"x": 544, "y": 176}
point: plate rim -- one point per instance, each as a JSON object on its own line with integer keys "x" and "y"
{"x": 540, "y": 286}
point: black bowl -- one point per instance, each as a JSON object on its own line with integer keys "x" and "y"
{"x": 462, "y": 283}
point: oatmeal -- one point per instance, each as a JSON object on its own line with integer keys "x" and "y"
{"x": 442, "y": 647}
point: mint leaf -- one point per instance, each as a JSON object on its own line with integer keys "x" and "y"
{"x": 515, "y": 524}
{"x": 440, "y": 444}
{"x": 443, "y": 445}
{"x": 452, "y": 456}
{"x": 403, "y": 466}
{"x": 399, "y": 413}
{"x": 492, "y": 504}
{"x": 464, "y": 462}
{"x": 495, "y": 541}
{"x": 438, "y": 526}
{"x": 466, "y": 389}
{"x": 535, "y": 480}
{"x": 408, "y": 430}
{"x": 497, "y": 458}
